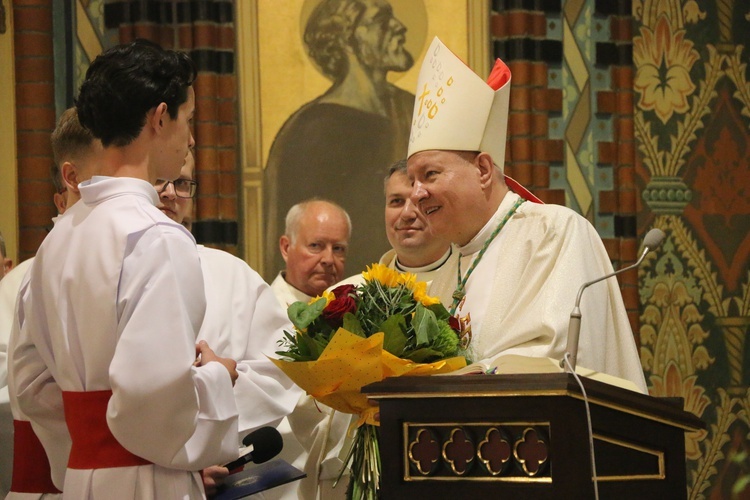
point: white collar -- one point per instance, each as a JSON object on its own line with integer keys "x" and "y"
{"x": 424, "y": 269}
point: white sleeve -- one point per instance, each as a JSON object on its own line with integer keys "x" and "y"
{"x": 263, "y": 392}
{"x": 557, "y": 257}
{"x": 32, "y": 386}
{"x": 244, "y": 322}
{"x": 162, "y": 408}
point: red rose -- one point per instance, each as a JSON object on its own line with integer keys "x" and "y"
{"x": 334, "y": 312}
{"x": 454, "y": 324}
{"x": 344, "y": 291}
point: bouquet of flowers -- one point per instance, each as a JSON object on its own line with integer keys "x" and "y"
{"x": 356, "y": 335}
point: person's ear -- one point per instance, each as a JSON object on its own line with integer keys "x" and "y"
{"x": 486, "y": 168}
{"x": 60, "y": 201}
{"x": 284, "y": 244}
{"x": 69, "y": 174}
{"x": 158, "y": 117}
{"x": 7, "y": 265}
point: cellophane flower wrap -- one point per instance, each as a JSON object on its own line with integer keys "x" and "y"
{"x": 356, "y": 335}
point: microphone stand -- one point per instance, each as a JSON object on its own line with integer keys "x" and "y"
{"x": 652, "y": 240}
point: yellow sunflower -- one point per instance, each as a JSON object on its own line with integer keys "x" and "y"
{"x": 325, "y": 295}
{"x": 420, "y": 294}
{"x": 408, "y": 280}
{"x": 383, "y": 274}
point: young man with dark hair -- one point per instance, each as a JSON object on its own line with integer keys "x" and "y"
{"x": 109, "y": 314}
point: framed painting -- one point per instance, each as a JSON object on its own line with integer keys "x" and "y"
{"x": 326, "y": 94}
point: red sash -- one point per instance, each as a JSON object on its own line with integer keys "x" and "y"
{"x": 31, "y": 472}
{"x": 94, "y": 446}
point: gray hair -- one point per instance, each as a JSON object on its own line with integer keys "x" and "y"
{"x": 294, "y": 216}
{"x": 3, "y": 252}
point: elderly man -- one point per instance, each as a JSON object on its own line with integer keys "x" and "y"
{"x": 520, "y": 263}
{"x": 314, "y": 247}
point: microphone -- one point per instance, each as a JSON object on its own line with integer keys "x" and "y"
{"x": 651, "y": 241}
{"x": 266, "y": 443}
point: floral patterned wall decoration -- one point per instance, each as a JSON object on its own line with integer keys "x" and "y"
{"x": 692, "y": 124}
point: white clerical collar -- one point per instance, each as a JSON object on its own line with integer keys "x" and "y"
{"x": 101, "y": 187}
{"x": 478, "y": 240}
{"x": 424, "y": 269}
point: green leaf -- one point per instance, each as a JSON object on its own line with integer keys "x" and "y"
{"x": 440, "y": 311}
{"x": 302, "y": 314}
{"x": 424, "y": 355}
{"x": 313, "y": 346}
{"x": 352, "y": 324}
{"x": 425, "y": 325}
{"x": 395, "y": 339}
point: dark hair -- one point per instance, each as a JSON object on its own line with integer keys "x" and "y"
{"x": 398, "y": 166}
{"x": 328, "y": 31}
{"x": 125, "y": 82}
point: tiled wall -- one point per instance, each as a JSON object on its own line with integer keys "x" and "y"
{"x": 206, "y": 31}
{"x": 35, "y": 118}
{"x": 572, "y": 112}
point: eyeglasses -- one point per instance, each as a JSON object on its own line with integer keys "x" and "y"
{"x": 183, "y": 188}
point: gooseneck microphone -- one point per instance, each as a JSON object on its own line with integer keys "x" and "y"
{"x": 266, "y": 443}
{"x": 651, "y": 241}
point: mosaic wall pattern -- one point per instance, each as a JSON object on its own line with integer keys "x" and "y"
{"x": 206, "y": 30}
{"x": 692, "y": 117}
{"x": 655, "y": 117}
{"x": 571, "y": 120}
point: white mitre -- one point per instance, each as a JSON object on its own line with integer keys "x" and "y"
{"x": 456, "y": 110}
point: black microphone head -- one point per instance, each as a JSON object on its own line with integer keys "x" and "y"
{"x": 266, "y": 443}
{"x": 654, "y": 238}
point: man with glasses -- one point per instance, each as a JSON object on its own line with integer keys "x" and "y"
{"x": 243, "y": 321}
{"x": 112, "y": 331}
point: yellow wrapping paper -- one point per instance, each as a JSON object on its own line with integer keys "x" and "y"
{"x": 350, "y": 362}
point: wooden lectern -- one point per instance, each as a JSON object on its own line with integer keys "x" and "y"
{"x": 526, "y": 436}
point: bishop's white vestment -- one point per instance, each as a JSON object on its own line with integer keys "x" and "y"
{"x": 521, "y": 293}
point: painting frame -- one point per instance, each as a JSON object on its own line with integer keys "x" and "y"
{"x": 470, "y": 40}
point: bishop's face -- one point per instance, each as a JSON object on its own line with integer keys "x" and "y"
{"x": 380, "y": 38}
{"x": 447, "y": 188}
